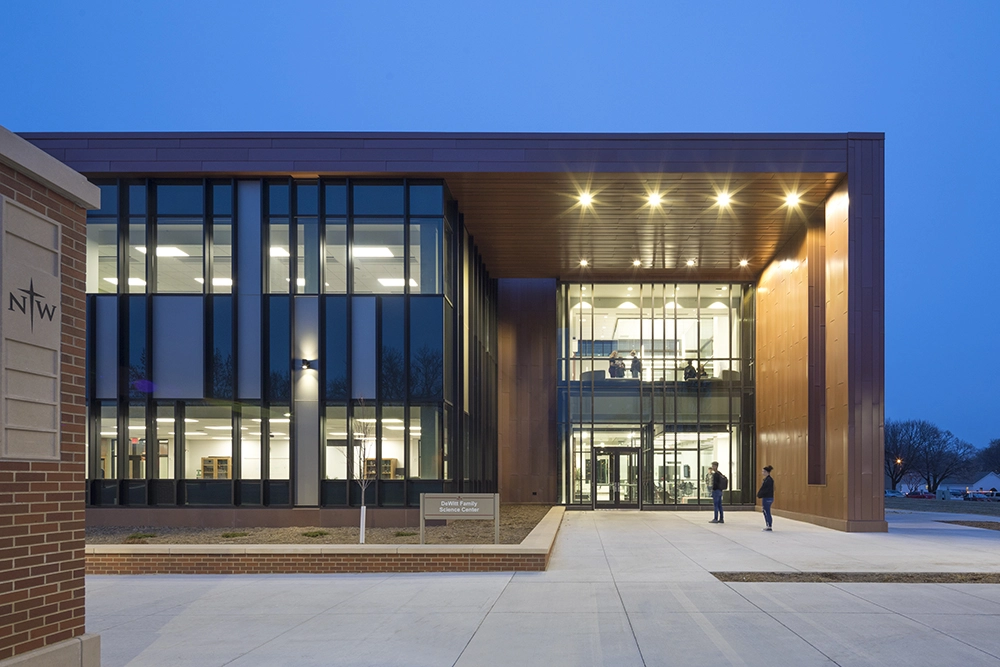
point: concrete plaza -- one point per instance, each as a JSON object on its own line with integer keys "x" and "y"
{"x": 622, "y": 588}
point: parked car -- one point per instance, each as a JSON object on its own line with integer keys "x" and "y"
{"x": 889, "y": 493}
{"x": 977, "y": 497}
{"x": 921, "y": 494}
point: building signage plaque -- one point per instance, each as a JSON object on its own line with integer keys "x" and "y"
{"x": 30, "y": 334}
{"x": 460, "y": 506}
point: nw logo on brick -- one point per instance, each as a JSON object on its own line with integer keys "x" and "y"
{"x": 31, "y": 303}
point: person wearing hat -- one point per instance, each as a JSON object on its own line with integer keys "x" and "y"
{"x": 766, "y": 495}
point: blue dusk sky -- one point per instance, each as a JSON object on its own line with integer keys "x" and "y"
{"x": 925, "y": 73}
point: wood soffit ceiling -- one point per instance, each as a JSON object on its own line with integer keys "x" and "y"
{"x": 533, "y": 226}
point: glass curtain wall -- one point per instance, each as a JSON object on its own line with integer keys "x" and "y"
{"x": 395, "y": 278}
{"x": 659, "y": 369}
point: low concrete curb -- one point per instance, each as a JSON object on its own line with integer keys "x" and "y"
{"x": 531, "y": 555}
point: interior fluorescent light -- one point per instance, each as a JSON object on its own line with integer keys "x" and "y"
{"x": 219, "y": 437}
{"x": 165, "y": 251}
{"x": 217, "y": 282}
{"x": 134, "y": 282}
{"x": 136, "y": 427}
{"x": 396, "y": 282}
{"x": 278, "y": 251}
{"x": 219, "y": 428}
{"x": 280, "y": 421}
{"x": 164, "y": 420}
{"x": 370, "y": 251}
{"x": 337, "y": 435}
{"x": 111, "y": 433}
{"x": 395, "y": 428}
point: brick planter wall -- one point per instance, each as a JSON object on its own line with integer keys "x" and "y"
{"x": 42, "y": 502}
{"x": 290, "y": 563}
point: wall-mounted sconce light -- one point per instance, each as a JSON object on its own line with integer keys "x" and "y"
{"x": 306, "y": 364}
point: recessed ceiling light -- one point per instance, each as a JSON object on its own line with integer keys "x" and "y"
{"x": 370, "y": 251}
{"x": 723, "y": 198}
{"x": 584, "y": 288}
{"x": 586, "y": 199}
{"x": 629, "y": 289}
{"x": 278, "y": 251}
{"x": 792, "y": 199}
{"x": 636, "y": 262}
{"x": 396, "y": 282}
{"x": 655, "y": 198}
{"x": 744, "y": 262}
{"x": 583, "y": 262}
{"x": 690, "y": 262}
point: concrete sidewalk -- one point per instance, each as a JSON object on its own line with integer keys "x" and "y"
{"x": 622, "y": 588}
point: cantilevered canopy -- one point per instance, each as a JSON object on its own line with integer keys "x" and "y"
{"x": 538, "y": 225}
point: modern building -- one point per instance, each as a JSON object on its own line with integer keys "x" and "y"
{"x": 279, "y": 323}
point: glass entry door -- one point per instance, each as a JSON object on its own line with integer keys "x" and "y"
{"x": 616, "y": 477}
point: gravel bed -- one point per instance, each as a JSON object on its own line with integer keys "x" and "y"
{"x": 951, "y": 506}
{"x": 988, "y": 525}
{"x": 863, "y": 577}
{"x": 516, "y": 521}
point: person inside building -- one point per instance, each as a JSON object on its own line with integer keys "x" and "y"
{"x": 636, "y": 365}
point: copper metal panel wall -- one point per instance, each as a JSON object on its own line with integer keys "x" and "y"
{"x": 853, "y": 326}
{"x": 866, "y": 345}
{"x": 528, "y": 449}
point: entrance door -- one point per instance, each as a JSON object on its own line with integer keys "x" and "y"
{"x": 616, "y": 477}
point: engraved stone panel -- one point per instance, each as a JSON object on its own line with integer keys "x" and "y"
{"x": 30, "y": 334}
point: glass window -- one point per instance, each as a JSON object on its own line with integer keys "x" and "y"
{"x": 336, "y": 200}
{"x": 222, "y": 239}
{"x": 393, "y": 457}
{"x": 378, "y": 200}
{"x": 336, "y": 256}
{"x": 179, "y": 253}
{"x": 136, "y": 256}
{"x": 426, "y": 200}
{"x": 425, "y": 443}
{"x": 221, "y": 368}
{"x": 279, "y": 352}
{"x": 179, "y": 200}
{"x": 208, "y": 442}
{"x": 279, "y": 269}
{"x": 250, "y": 439}
{"x": 426, "y": 249}
{"x": 102, "y": 255}
{"x": 426, "y": 348}
{"x": 335, "y": 461}
{"x": 138, "y": 364}
{"x": 135, "y": 465}
{"x": 363, "y": 448}
{"x": 392, "y": 367}
{"x": 108, "y": 439}
{"x": 165, "y": 433}
{"x": 178, "y": 347}
{"x": 363, "y": 347}
{"x": 335, "y": 352}
{"x": 378, "y": 255}
{"x": 278, "y": 441}
{"x": 277, "y": 199}
{"x": 307, "y": 256}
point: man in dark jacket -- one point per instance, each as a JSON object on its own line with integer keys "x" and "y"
{"x": 766, "y": 495}
{"x": 715, "y": 480}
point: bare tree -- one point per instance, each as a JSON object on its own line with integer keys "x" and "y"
{"x": 988, "y": 458}
{"x": 363, "y": 434}
{"x": 902, "y": 439}
{"x": 942, "y": 455}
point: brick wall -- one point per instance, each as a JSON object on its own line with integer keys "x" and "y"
{"x": 291, "y": 563}
{"x": 42, "y": 503}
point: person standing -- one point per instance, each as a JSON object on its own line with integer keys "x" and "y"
{"x": 613, "y": 364}
{"x": 636, "y": 366}
{"x": 766, "y": 495}
{"x": 718, "y": 486}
